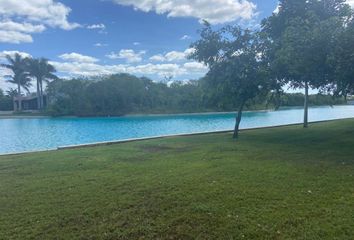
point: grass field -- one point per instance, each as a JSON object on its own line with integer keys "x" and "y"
{"x": 282, "y": 183}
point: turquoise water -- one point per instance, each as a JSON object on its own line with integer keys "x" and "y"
{"x": 18, "y": 135}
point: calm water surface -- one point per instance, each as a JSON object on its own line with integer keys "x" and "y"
{"x": 18, "y": 135}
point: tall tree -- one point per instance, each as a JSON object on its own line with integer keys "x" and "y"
{"x": 342, "y": 62}
{"x": 302, "y": 34}
{"x": 20, "y": 76}
{"x": 43, "y": 72}
{"x": 236, "y": 70}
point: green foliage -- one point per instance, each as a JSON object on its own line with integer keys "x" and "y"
{"x": 342, "y": 62}
{"x": 42, "y": 71}
{"x": 24, "y": 69}
{"x": 297, "y": 99}
{"x": 121, "y": 94}
{"x": 236, "y": 73}
{"x": 20, "y": 75}
{"x": 303, "y": 36}
{"x": 5, "y": 102}
{"x": 233, "y": 57}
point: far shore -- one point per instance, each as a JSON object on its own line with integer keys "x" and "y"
{"x": 22, "y": 116}
{"x": 9, "y": 115}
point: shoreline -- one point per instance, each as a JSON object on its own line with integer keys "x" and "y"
{"x": 7, "y": 116}
{"x": 107, "y": 143}
{"x": 22, "y": 117}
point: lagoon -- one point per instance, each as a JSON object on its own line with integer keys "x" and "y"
{"x": 34, "y": 134}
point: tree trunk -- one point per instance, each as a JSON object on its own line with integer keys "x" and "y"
{"x": 19, "y": 98}
{"x": 15, "y": 105}
{"x": 238, "y": 121}
{"x": 306, "y": 105}
{"x": 38, "y": 96}
{"x": 277, "y": 100}
{"x": 42, "y": 105}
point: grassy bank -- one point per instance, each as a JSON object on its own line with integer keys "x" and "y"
{"x": 283, "y": 183}
{"x": 10, "y": 114}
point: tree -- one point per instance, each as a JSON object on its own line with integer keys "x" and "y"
{"x": 302, "y": 34}
{"x": 6, "y": 101}
{"x": 236, "y": 70}
{"x": 20, "y": 76}
{"x": 342, "y": 62}
{"x": 11, "y": 92}
{"x": 43, "y": 72}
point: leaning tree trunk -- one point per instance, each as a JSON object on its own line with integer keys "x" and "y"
{"x": 41, "y": 95}
{"x": 19, "y": 98}
{"x": 238, "y": 121}
{"x": 38, "y": 96}
{"x": 306, "y": 105}
{"x": 277, "y": 100}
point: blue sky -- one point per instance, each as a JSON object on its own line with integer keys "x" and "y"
{"x": 146, "y": 38}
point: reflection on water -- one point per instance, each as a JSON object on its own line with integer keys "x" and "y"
{"x": 18, "y": 135}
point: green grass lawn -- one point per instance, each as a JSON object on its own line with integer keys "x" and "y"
{"x": 282, "y": 183}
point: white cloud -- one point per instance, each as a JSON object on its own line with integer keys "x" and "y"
{"x": 4, "y": 85}
{"x": 9, "y": 25}
{"x": 80, "y": 65}
{"x": 173, "y": 56}
{"x": 128, "y": 54}
{"x": 351, "y": 3}
{"x": 277, "y": 9}
{"x": 100, "y": 45}
{"x": 185, "y": 37}
{"x": 20, "y": 18}
{"x": 86, "y": 68}
{"x": 196, "y": 67}
{"x": 136, "y": 43}
{"x": 47, "y": 12}
{"x": 214, "y": 11}
{"x": 189, "y": 51}
{"x": 158, "y": 58}
{"x": 76, "y": 57}
{"x": 156, "y": 71}
{"x": 3, "y": 54}
{"x": 97, "y": 26}
{"x": 15, "y": 37}
{"x": 14, "y": 32}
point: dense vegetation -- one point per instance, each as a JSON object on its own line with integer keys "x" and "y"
{"x": 5, "y": 101}
{"x": 125, "y": 94}
{"x": 270, "y": 185}
{"x": 121, "y": 94}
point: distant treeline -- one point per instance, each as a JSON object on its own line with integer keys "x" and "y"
{"x": 123, "y": 94}
{"x": 6, "y": 103}
{"x": 297, "y": 99}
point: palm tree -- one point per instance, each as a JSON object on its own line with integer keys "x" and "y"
{"x": 43, "y": 72}
{"x": 12, "y": 92}
{"x": 20, "y": 77}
